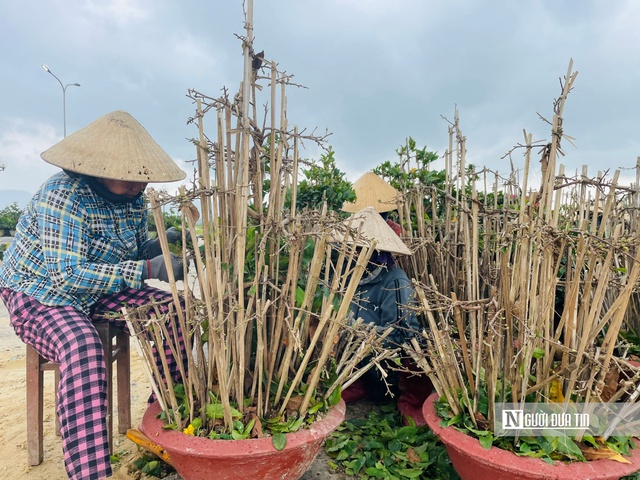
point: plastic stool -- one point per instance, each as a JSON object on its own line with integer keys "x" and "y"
{"x": 117, "y": 351}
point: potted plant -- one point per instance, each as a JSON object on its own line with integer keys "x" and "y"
{"x": 269, "y": 346}
{"x": 524, "y": 295}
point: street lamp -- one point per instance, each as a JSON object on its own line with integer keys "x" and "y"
{"x": 64, "y": 97}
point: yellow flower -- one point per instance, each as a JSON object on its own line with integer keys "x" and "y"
{"x": 555, "y": 392}
{"x": 190, "y": 430}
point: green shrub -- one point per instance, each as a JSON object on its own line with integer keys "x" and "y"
{"x": 324, "y": 182}
{"x": 170, "y": 220}
{"x": 9, "y": 216}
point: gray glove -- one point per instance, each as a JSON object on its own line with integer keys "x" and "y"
{"x": 156, "y": 268}
{"x": 152, "y": 247}
{"x": 174, "y": 235}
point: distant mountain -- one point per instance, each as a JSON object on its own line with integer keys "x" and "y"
{"x": 7, "y": 197}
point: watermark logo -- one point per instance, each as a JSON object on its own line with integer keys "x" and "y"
{"x": 571, "y": 419}
{"x": 540, "y": 420}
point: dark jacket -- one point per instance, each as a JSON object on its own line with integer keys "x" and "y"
{"x": 382, "y": 297}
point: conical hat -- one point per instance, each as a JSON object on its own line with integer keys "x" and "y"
{"x": 114, "y": 146}
{"x": 373, "y": 227}
{"x": 372, "y": 191}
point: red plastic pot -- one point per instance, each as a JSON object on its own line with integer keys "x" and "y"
{"x": 197, "y": 458}
{"x": 473, "y": 462}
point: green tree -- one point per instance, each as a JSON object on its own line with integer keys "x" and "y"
{"x": 324, "y": 182}
{"x": 401, "y": 175}
{"x": 171, "y": 219}
{"x": 413, "y": 170}
{"x": 9, "y": 216}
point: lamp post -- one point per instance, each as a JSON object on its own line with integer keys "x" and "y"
{"x": 64, "y": 97}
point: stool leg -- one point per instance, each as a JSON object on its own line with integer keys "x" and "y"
{"x": 35, "y": 399}
{"x": 56, "y": 382}
{"x": 123, "y": 371}
{"x": 105, "y": 337}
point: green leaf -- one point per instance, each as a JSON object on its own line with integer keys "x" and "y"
{"x": 315, "y": 407}
{"x": 548, "y": 459}
{"x": 376, "y": 472}
{"x": 279, "y": 441}
{"x": 178, "y": 389}
{"x": 215, "y": 411}
{"x": 299, "y": 297}
{"x": 295, "y": 425}
{"x": 590, "y": 440}
{"x": 538, "y": 353}
{"x": 453, "y": 420}
{"x": 395, "y": 445}
{"x": 569, "y": 448}
{"x": 373, "y": 444}
{"x": 335, "y": 396}
{"x": 358, "y": 463}
{"x": 406, "y": 434}
{"x": 249, "y": 427}
{"x": 410, "y": 472}
{"x": 151, "y": 467}
{"x": 486, "y": 441}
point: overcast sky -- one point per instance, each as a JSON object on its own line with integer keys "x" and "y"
{"x": 377, "y": 72}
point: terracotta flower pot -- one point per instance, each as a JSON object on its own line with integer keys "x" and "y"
{"x": 197, "y": 458}
{"x": 472, "y": 461}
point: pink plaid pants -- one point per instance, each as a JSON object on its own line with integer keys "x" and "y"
{"x": 68, "y": 337}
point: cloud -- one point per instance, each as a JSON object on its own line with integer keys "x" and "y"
{"x": 376, "y": 71}
{"x": 20, "y": 146}
{"x": 119, "y": 12}
{"x": 618, "y": 30}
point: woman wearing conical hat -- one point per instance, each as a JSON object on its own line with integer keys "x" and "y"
{"x": 411, "y": 388}
{"x": 81, "y": 251}
{"x": 383, "y": 297}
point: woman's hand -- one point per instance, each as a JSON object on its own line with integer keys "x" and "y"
{"x": 157, "y": 268}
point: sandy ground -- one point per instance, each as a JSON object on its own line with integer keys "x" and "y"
{"x": 13, "y": 435}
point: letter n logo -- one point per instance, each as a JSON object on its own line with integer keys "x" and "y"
{"x": 511, "y": 419}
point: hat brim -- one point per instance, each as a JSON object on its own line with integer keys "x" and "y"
{"x": 372, "y": 227}
{"x": 117, "y": 147}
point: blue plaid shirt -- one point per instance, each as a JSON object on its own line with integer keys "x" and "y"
{"x": 72, "y": 246}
